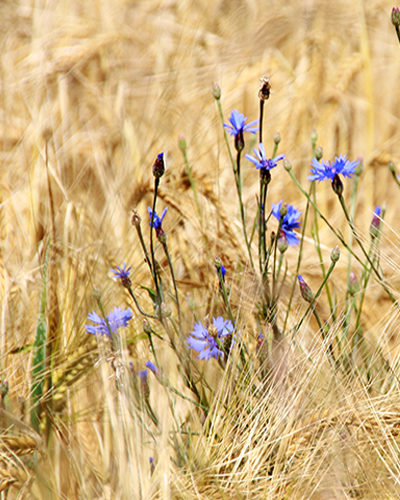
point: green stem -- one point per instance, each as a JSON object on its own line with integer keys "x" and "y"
{"x": 298, "y": 326}
{"x": 171, "y": 267}
{"x": 299, "y": 258}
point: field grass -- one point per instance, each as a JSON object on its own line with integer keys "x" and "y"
{"x": 91, "y": 93}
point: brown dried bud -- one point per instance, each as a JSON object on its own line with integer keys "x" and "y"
{"x": 265, "y": 89}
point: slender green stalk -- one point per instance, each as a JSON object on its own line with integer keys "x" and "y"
{"x": 238, "y": 182}
{"x": 300, "y": 257}
{"x": 315, "y": 234}
{"x": 146, "y": 253}
{"x": 129, "y": 288}
{"x": 224, "y": 293}
{"x": 171, "y": 267}
{"x": 155, "y": 275}
{"x": 312, "y": 303}
{"x": 260, "y": 130}
{"x": 352, "y": 213}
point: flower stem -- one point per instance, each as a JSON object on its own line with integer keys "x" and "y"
{"x": 155, "y": 276}
{"x": 171, "y": 267}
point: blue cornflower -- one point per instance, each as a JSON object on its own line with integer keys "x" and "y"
{"x": 157, "y": 220}
{"x": 262, "y": 161}
{"x": 204, "y": 339}
{"x": 289, "y": 222}
{"x": 121, "y": 272}
{"x": 116, "y": 319}
{"x": 238, "y": 124}
{"x": 329, "y": 170}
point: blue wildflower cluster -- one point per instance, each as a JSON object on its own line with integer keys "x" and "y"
{"x": 209, "y": 341}
{"x": 322, "y": 170}
{"x": 289, "y": 222}
{"x": 261, "y": 161}
{"x": 222, "y": 342}
{"x": 117, "y": 318}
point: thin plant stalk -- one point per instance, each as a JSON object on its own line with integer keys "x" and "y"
{"x": 171, "y": 267}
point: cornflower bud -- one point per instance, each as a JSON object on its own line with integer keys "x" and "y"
{"x": 265, "y": 176}
{"x": 395, "y": 16}
{"x": 4, "y": 388}
{"x": 374, "y": 228}
{"x": 144, "y": 384}
{"x": 319, "y": 152}
{"x": 284, "y": 210}
{"x": 147, "y": 326}
{"x": 239, "y": 141}
{"x": 392, "y": 167}
{"x": 159, "y": 167}
{"x": 136, "y": 220}
{"x": 314, "y": 136}
{"x": 305, "y": 290}
{"x": 265, "y": 89}
{"x": 277, "y": 138}
{"x": 216, "y": 90}
{"x": 166, "y": 310}
{"x": 282, "y": 242}
{"x": 337, "y": 185}
{"x": 182, "y": 143}
{"x": 359, "y": 167}
{"x": 335, "y": 254}
{"x": 287, "y": 165}
{"x": 353, "y": 284}
{"x": 152, "y": 466}
{"x": 96, "y": 293}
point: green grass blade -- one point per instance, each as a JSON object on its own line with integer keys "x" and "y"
{"x": 39, "y": 349}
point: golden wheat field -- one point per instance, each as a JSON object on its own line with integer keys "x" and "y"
{"x": 91, "y": 93}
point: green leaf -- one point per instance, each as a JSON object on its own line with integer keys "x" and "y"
{"x": 152, "y": 294}
{"x": 39, "y": 349}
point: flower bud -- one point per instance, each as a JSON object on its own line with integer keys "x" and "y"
{"x": 374, "y": 228}
{"x": 287, "y": 165}
{"x": 166, "y": 310}
{"x": 319, "y": 153}
{"x": 147, "y": 326}
{"x": 392, "y": 167}
{"x": 182, "y": 143}
{"x": 353, "y": 284}
{"x": 239, "y": 141}
{"x": 314, "y": 136}
{"x": 216, "y": 90}
{"x": 360, "y": 167}
{"x": 277, "y": 138}
{"x": 159, "y": 167}
{"x": 4, "y": 388}
{"x": 282, "y": 242}
{"x": 284, "y": 210}
{"x": 144, "y": 384}
{"x": 265, "y": 89}
{"x": 305, "y": 290}
{"x": 395, "y": 16}
{"x": 96, "y": 293}
{"x": 152, "y": 465}
{"x": 136, "y": 220}
{"x": 335, "y": 254}
{"x": 337, "y": 185}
